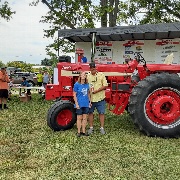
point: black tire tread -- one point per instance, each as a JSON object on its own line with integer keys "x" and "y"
{"x": 52, "y": 110}
{"x": 135, "y": 98}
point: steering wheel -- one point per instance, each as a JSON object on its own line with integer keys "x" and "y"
{"x": 139, "y": 57}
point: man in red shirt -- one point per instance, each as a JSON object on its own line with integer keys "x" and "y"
{"x": 4, "y": 80}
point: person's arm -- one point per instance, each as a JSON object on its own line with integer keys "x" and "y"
{"x": 1, "y": 76}
{"x": 27, "y": 84}
{"x": 22, "y": 84}
{"x": 75, "y": 99}
{"x": 104, "y": 85}
{"x": 89, "y": 96}
{"x": 7, "y": 79}
{"x": 100, "y": 89}
{"x": 75, "y": 96}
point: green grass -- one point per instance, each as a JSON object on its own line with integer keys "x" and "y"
{"x": 29, "y": 149}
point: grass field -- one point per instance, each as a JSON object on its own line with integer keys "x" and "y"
{"x": 29, "y": 149}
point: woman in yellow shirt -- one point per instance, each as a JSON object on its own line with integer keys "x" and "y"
{"x": 40, "y": 78}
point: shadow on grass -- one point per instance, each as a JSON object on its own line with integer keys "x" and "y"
{"x": 39, "y": 106}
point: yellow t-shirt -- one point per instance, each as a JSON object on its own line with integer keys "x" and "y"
{"x": 39, "y": 78}
{"x": 96, "y": 82}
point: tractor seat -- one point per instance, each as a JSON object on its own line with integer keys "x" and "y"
{"x": 169, "y": 59}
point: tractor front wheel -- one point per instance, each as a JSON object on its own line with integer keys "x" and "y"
{"x": 61, "y": 116}
{"x": 155, "y": 105}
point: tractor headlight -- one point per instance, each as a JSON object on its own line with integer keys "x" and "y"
{"x": 67, "y": 87}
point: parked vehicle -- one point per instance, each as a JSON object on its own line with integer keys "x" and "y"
{"x": 12, "y": 70}
{"x": 31, "y": 78}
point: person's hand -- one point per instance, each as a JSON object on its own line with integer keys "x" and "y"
{"x": 77, "y": 106}
{"x": 95, "y": 91}
{"x": 90, "y": 104}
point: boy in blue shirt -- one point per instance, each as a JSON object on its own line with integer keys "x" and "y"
{"x": 26, "y": 84}
{"x": 84, "y": 59}
{"x": 81, "y": 94}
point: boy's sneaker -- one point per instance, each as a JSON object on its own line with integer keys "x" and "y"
{"x": 90, "y": 131}
{"x": 78, "y": 134}
{"x": 102, "y": 131}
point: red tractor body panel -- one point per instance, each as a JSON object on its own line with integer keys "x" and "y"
{"x": 119, "y": 77}
{"x": 144, "y": 71}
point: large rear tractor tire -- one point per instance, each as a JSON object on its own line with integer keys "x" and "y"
{"x": 154, "y": 105}
{"x": 61, "y": 115}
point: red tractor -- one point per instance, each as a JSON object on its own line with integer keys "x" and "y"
{"x": 152, "y": 96}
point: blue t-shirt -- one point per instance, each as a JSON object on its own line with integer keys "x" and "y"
{"x": 84, "y": 59}
{"x": 82, "y": 94}
{"x": 25, "y": 83}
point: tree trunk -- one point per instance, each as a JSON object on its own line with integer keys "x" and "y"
{"x": 103, "y": 4}
{"x": 116, "y": 8}
{"x": 111, "y": 13}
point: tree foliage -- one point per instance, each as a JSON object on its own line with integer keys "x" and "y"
{"x": 75, "y": 14}
{"x": 1, "y": 64}
{"x": 154, "y": 11}
{"x": 46, "y": 62}
{"x": 26, "y": 67}
{"x": 5, "y": 11}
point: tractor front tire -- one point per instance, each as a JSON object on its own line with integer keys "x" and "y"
{"x": 61, "y": 116}
{"x": 154, "y": 105}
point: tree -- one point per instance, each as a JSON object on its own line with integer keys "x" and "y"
{"x": 75, "y": 14}
{"x": 112, "y": 12}
{"x": 5, "y": 11}
{"x": 1, "y": 64}
{"x": 54, "y": 58}
{"x": 46, "y": 62}
{"x": 18, "y": 64}
{"x": 103, "y": 12}
{"x": 154, "y": 11}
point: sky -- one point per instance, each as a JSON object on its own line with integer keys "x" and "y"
{"x": 22, "y": 38}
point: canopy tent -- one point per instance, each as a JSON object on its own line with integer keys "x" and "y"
{"x": 122, "y": 33}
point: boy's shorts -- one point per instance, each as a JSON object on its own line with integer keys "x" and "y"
{"x": 83, "y": 110}
{"x": 100, "y": 106}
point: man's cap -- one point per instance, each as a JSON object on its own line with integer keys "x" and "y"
{"x": 3, "y": 67}
{"x": 92, "y": 65}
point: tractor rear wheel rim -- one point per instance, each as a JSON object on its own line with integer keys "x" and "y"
{"x": 64, "y": 117}
{"x": 162, "y": 106}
